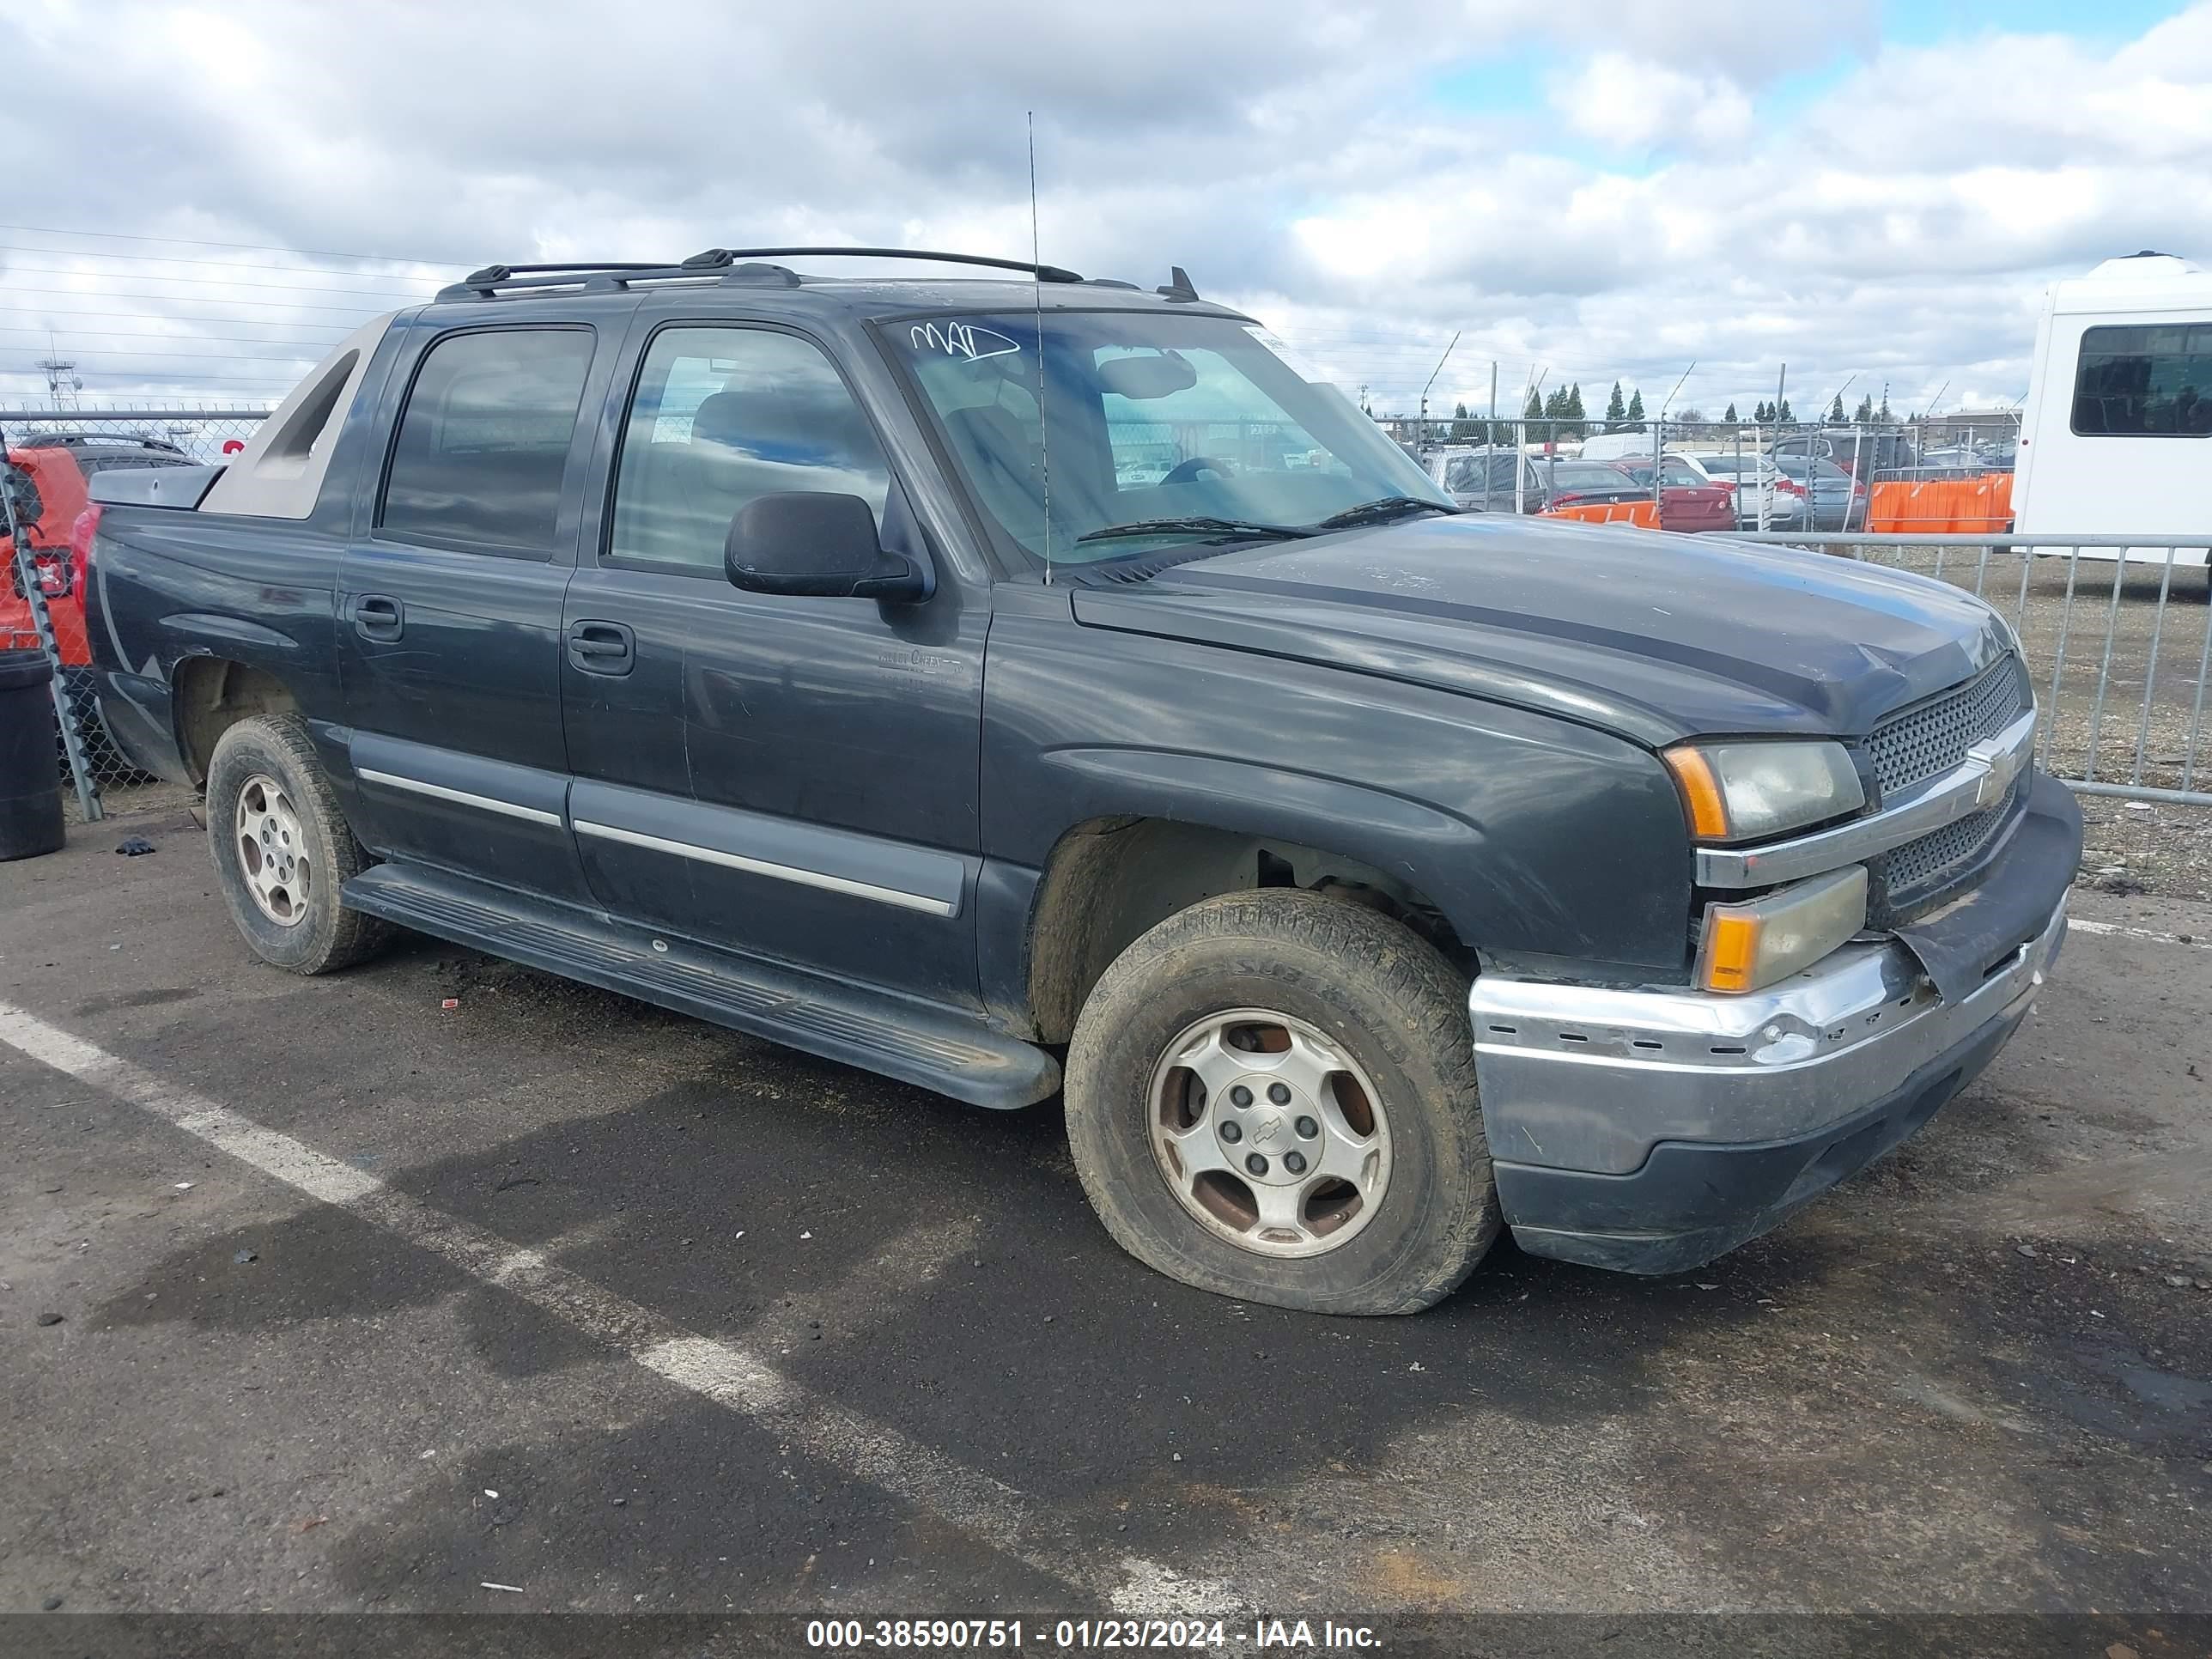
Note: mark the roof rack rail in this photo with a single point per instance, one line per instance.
(715, 258)
(741, 265)
(485, 284)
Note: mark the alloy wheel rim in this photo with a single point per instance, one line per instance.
(1268, 1133)
(272, 851)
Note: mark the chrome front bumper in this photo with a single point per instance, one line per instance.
(1591, 1079)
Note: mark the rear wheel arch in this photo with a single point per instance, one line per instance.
(209, 695)
(1109, 880)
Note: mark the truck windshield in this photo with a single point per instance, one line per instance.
(1160, 430)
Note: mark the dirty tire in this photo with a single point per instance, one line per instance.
(330, 936)
(1395, 1005)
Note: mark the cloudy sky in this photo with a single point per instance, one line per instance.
(198, 201)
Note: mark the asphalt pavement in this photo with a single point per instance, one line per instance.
(323, 1296)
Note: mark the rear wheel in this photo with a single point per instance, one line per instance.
(282, 849)
(1272, 1095)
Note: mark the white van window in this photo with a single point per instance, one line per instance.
(2144, 381)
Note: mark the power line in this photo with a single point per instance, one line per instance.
(242, 247)
(204, 281)
(188, 339)
(169, 316)
(218, 265)
(310, 351)
(124, 379)
(197, 299)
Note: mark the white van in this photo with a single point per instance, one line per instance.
(2118, 435)
(1620, 446)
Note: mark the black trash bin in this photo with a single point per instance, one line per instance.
(30, 785)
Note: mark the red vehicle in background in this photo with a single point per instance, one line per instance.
(45, 477)
(1689, 500)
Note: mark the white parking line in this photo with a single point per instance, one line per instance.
(726, 1373)
(2083, 924)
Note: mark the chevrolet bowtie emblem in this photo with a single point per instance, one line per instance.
(2003, 766)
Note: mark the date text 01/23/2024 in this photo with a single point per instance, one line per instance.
(1295, 1635)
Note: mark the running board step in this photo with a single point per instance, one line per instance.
(907, 1040)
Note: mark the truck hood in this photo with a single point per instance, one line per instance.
(1653, 636)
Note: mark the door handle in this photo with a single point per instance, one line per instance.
(377, 618)
(602, 647)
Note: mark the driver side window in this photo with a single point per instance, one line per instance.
(723, 415)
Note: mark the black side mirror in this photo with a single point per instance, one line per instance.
(807, 542)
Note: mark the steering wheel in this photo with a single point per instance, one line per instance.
(1188, 471)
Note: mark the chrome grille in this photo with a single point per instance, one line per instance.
(1929, 740)
(1923, 743)
(1924, 863)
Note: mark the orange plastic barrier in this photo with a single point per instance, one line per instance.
(1642, 514)
(1943, 506)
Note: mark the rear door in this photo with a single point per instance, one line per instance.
(450, 592)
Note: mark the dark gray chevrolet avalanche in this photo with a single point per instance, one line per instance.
(1035, 685)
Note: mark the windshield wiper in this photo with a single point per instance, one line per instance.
(1196, 526)
(1380, 511)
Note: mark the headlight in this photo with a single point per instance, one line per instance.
(1746, 946)
(1742, 791)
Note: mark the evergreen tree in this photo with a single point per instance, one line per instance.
(1635, 411)
(1616, 411)
(1782, 412)
(1532, 429)
(1836, 410)
(1464, 429)
(1863, 415)
(1573, 411)
(1883, 414)
(1730, 417)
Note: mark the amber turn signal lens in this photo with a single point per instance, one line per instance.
(1701, 792)
(1731, 952)
(1749, 947)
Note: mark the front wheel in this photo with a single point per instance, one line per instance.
(1272, 1095)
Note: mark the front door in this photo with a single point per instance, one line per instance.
(449, 610)
(831, 746)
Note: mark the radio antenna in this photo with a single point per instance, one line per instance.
(1044, 442)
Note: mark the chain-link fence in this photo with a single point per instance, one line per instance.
(51, 457)
(1950, 474)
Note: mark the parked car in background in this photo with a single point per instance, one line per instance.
(1620, 447)
(1689, 499)
(1587, 484)
(1839, 501)
(1949, 461)
(1862, 451)
(47, 477)
(1762, 492)
(1482, 480)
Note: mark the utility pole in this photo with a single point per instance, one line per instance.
(1781, 386)
(1492, 435)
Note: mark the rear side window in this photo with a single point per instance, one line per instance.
(484, 439)
(2153, 380)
